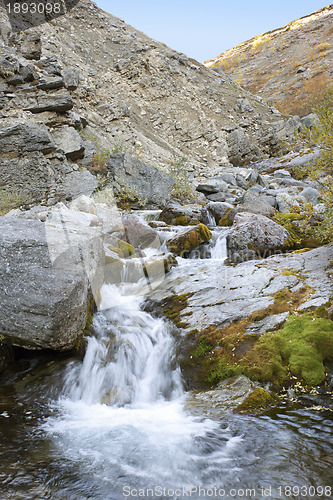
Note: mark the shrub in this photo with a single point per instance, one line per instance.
(178, 171)
(322, 168)
(8, 200)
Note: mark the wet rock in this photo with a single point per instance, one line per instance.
(223, 294)
(151, 187)
(255, 235)
(156, 268)
(6, 352)
(184, 242)
(273, 322)
(258, 400)
(219, 210)
(54, 269)
(139, 233)
(176, 214)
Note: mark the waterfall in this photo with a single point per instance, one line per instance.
(131, 358)
(219, 250)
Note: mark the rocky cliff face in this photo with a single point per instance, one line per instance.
(286, 64)
(87, 82)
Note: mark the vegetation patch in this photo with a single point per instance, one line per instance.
(177, 169)
(321, 169)
(297, 352)
(258, 400)
(173, 307)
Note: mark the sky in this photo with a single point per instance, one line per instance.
(203, 29)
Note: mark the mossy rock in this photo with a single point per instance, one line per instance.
(182, 220)
(117, 250)
(184, 242)
(258, 400)
(127, 249)
(159, 267)
(227, 219)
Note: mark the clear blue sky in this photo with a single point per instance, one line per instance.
(203, 29)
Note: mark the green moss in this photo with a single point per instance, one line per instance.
(173, 306)
(259, 399)
(289, 217)
(302, 346)
(127, 249)
(182, 220)
(226, 220)
(189, 240)
(204, 233)
(203, 347)
(223, 370)
(117, 251)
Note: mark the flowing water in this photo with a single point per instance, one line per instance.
(119, 424)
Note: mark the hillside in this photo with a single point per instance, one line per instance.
(287, 65)
(134, 94)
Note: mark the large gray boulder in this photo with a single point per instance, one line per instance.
(19, 138)
(257, 204)
(253, 236)
(151, 187)
(75, 184)
(45, 275)
(70, 141)
(220, 294)
(176, 214)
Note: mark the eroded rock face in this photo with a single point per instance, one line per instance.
(145, 183)
(45, 283)
(255, 235)
(220, 294)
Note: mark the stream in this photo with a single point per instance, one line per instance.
(120, 424)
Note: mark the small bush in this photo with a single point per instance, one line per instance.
(8, 200)
(177, 170)
(322, 168)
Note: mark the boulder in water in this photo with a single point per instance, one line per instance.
(178, 215)
(184, 242)
(45, 276)
(138, 233)
(253, 236)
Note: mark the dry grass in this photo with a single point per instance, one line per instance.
(301, 103)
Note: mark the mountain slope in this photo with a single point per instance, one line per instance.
(138, 94)
(285, 65)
